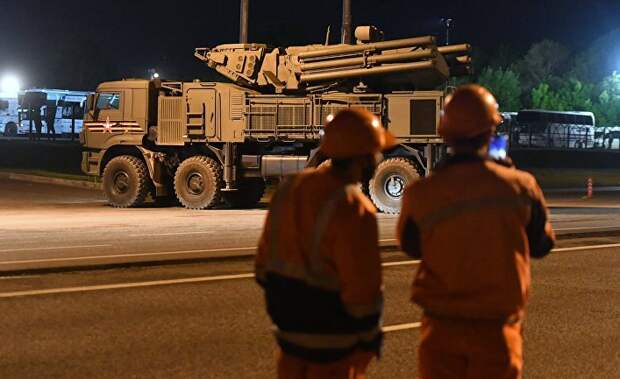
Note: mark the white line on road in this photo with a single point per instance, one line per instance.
(92, 257)
(134, 255)
(399, 327)
(103, 287)
(400, 263)
(587, 228)
(388, 240)
(153, 283)
(218, 278)
(84, 202)
(169, 234)
(52, 248)
(580, 248)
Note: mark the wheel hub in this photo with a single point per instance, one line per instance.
(195, 183)
(395, 186)
(121, 182)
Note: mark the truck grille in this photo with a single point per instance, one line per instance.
(290, 120)
(171, 130)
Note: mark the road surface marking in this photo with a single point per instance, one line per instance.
(170, 234)
(53, 291)
(591, 247)
(400, 263)
(206, 232)
(103, 287)
(587, 228)
(180, 252)
(217, 278)
(52, 248)
(82, 202)
(387, 240)
(100, 257)
(399, 327)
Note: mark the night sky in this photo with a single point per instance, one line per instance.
(75, 44)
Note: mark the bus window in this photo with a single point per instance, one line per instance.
(68, 110)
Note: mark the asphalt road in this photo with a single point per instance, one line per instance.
(207, 319)
(43, 226)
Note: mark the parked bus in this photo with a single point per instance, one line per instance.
(9, 109)
(18, 117)
(540, 128)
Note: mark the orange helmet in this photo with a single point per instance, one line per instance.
(469, 112)
(355, 132)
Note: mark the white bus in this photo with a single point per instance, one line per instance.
(541, 128)
(18, 117)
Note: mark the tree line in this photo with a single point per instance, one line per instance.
(550, 76)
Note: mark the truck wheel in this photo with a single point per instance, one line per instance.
(248, 194)
(126, 181)
(10, 129)
(198, 182)
(387, 186)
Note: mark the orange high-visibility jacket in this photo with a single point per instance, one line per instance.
(318, 261)
(475, 224)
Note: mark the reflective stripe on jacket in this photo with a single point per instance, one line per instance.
(474, 224)
(319, 264)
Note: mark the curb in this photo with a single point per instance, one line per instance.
(50, 180)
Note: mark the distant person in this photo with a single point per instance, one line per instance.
(50, 120)
(318, 258)
(38, 124)
(474, 223)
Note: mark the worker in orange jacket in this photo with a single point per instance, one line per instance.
(474, 223)
(318, 257)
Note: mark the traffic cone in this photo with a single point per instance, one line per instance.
(589, 188)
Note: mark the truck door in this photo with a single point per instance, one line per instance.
(201, 114)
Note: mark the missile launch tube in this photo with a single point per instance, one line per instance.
(371, 60)
(358, 72)
(453, 49)
(385, 45)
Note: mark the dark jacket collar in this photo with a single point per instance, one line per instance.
(452, 160)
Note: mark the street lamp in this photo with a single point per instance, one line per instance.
(9, 86)
(153, 74)
(447, 23)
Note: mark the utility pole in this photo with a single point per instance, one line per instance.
(243, 21)
(447, 23)
(346, 22)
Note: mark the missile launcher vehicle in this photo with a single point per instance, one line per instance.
(211, 142)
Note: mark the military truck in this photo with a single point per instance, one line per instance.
(208, 142)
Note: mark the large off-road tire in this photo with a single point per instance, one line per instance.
(391, 178)
(198, 182)
(126, 181)
(248, 194)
